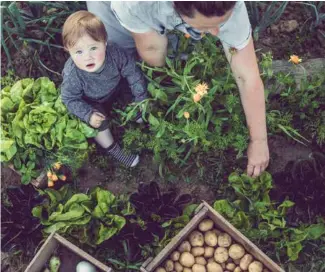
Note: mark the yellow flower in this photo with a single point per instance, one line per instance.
(201, 89)
(197, 97)
(186, 114)
(295, 59)
(187, 36)
(57, 166)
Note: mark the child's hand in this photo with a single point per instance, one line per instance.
(96, 119)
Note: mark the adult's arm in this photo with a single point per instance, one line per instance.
(245, 70)
(151, 47)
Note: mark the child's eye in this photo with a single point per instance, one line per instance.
(78, 52)
(93, 48)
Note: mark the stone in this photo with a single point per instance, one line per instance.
(289, 26)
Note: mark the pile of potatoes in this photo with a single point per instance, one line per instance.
(210, 250)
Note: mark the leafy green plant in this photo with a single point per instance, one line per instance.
(91, 219)
(35, 24)
(36, 128)
(19, 229)
(195, 106)
(317, 16)
(260, 219)
(263, 19)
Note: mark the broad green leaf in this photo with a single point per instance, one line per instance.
(8, 149)
(153, 121)
(224, 207)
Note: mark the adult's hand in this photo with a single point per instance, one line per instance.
(258, 157)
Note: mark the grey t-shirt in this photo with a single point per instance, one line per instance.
(160, 16)
(78, 84)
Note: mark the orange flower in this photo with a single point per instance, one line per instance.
(49, 174)
(54, 177)
(57, 166)
(295, 59)
(50, 183)
(197, 97)
(63, 177)
(187, 36)
(201, 89)
(232, 50)
(186, 114)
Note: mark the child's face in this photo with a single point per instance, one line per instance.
(88, 54)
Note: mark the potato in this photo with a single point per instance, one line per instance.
(186, 269)
(208, 252)
(237, 261)
(198, 268)
(224, 240)
(200, 260)
(210, 238)
(178, 267)
(237, 269)
(221, 255)
(231, 266)
(236, 251)
(184, 247)
(186, 259)
(211, 260)
(255, 267)
(216, 231)
(197, 251)
(169, 265)
(205, 225)
(245, 261)
(196, 239)
(160, 269)
(214, 267)
(175, 256)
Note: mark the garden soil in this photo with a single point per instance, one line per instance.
(277, 39)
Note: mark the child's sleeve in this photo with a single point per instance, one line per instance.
(133, 74)
(71, 95)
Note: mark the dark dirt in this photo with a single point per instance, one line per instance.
(292, 35)
(108, 174)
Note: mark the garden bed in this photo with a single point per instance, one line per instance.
(293, 102)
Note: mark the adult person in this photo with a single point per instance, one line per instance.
(142, 26)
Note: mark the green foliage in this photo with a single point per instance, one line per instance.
(36, 127)
(262, 20)
(91, 218)
(35, 24)
(215, 121)
(317, 16)
(260, 219)
(9, 79)
(299, 109)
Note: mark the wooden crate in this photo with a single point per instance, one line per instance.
(50, 245)
(202, 212)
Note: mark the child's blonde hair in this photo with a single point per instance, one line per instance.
(80, 23)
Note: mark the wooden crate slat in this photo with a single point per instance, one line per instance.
(43, 254)
(47, 249)
(241, 239)
(206, 211)
(175, 242)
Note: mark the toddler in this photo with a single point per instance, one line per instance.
(92, 74)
